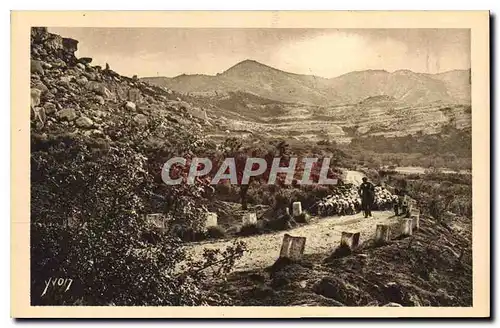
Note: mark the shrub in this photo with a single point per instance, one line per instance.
(439, 193)
(250, 229)
(216, 232)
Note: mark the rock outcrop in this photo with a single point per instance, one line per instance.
(258, 79)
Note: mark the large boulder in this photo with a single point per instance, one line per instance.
(39, 114)
(67, 114)
(82, 81)
(141, 119)
(53, 42)
(121, 92)
(65, 80)
(199, 113)
(40, 86)
(80, 66)
(99, 88)
(84, 122)
(35, 97)
(85, 60)
(58, 62)
(330, 288)
(363, 129)
(49, 108)
(90, 76)
(184, 106)
(70, 45)
(130, 106)
(100, 100)
(134, 95)
(179, 104)
(103, 91)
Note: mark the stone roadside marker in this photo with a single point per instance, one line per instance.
(406, 206)
(249, 218)
(406, 227)
(382, 234)
(211, 220)
(415, 217)
(157, 219)
(350, 239)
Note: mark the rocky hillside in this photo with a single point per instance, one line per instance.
(264, 81)
(254, 99)
(98, 144)
(251, 77)
(404, 85)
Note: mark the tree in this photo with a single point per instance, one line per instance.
(87, 225)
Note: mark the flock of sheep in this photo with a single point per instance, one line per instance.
(346, 201)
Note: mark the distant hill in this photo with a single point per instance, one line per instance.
(253, 77)
(458, 84)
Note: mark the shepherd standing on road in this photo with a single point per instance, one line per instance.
(367, 194)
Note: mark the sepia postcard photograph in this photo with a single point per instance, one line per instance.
(270, 164)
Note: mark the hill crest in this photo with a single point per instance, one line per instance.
(266, 81)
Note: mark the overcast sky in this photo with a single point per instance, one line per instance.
(321, 52)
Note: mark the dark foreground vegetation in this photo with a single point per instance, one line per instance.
(452, 148)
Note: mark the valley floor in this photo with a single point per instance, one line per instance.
(422, 170)
(431, 268)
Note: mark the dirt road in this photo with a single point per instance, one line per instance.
(323, 236)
